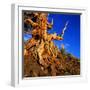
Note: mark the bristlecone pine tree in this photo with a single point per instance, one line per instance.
(41, 56)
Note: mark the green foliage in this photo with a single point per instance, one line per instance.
(69, 55)
(63, 51)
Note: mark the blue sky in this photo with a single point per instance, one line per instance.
(71, 39)
(72, 34)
